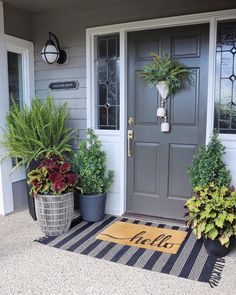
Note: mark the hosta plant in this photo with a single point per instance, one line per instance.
(166, 69)
(52, 176)
(212, 212)
(90, 164)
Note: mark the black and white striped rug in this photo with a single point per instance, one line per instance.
(191, 261)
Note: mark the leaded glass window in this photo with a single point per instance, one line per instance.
(225, 98)
(108, 82)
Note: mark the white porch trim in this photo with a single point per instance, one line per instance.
(16, 45)
(211, 18)
(6, 197)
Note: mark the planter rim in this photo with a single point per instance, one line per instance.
(54, 196)
(162, 82)
(93, 195)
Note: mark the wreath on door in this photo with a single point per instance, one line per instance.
(169, 76)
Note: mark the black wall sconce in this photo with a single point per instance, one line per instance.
(52, 52)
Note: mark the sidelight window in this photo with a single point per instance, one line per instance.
(15, 78)
(107, 95)
(225, 91)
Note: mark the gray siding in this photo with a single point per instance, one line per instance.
(17, 23)
(70, 25)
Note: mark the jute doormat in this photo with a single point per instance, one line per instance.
(190, 262)
(142, 236)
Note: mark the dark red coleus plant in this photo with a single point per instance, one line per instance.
(52, 176)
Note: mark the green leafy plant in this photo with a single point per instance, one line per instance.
(37, 132)
(90, 164)
(166, 69)
(212, 212)
(208, 165)
(52, 176)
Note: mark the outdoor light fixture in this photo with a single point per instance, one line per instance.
(52, 52)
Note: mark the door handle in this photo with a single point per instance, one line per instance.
(130, 138)
(130, 121)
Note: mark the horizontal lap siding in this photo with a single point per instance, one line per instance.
(69, 25)
(74, 69)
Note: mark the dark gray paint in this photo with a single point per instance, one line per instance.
(18, 23)
(19, 194)
(127, 8)
(158, 184)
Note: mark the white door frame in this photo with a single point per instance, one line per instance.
(16, 45)
(120, 135)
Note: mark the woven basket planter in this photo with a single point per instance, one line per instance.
(55, 213)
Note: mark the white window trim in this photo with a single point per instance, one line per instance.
(211, 17)
(26, 49)
(13, 44)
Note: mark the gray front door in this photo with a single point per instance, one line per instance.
(158, 184)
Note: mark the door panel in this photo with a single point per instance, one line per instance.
(186, 99)
(158, 184)
(180, 157)
(146, 163)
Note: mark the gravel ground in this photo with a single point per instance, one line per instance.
(30, 268)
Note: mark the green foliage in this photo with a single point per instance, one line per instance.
(37, 132)
(208, 165)
(212, 212)
(166, 69)
(52, 176)
(90, 164)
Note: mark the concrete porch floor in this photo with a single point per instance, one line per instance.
(30, 268)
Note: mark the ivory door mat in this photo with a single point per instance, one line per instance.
(143, 236)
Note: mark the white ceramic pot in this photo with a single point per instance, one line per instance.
(161, 112)
(163, 89)
(165, 127)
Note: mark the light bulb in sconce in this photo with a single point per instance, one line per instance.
(165, 127)
(161, 112)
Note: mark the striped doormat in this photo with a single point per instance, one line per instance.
(190, 262)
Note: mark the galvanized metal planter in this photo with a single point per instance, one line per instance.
(55, 213)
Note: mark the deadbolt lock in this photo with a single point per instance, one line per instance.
(130, 121)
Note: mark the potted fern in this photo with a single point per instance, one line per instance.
(212, 208)
(89, 163)
(167, 74)
(36, 132)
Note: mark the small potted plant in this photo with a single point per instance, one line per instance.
(213, 205)
(90, 164)
(212, 213)
(208, 166)
(166, 74)
(52, 184)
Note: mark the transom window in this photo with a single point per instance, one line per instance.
(108, 82)
(225, 94)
